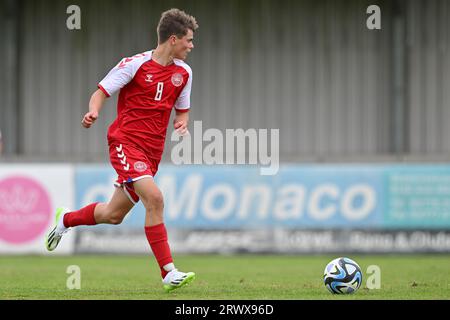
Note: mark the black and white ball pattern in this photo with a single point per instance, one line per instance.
(342, 276)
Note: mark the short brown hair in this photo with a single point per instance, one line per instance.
(175, 22)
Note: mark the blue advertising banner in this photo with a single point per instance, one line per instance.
(316, 196)
(417, 197)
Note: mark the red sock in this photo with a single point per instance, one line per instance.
(82, 217)
(157, 238)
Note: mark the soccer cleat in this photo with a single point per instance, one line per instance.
(176, 279)
(54, 237)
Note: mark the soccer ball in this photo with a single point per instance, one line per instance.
(342, 275)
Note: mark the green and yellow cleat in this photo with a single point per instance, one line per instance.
(54, 237)
(176, 279)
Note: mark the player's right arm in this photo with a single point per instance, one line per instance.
(95, 105)
(115, 80)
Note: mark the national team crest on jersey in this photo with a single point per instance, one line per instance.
(177, 79)
(140, 166)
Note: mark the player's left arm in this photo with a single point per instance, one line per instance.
(182, 107)
(181, 122)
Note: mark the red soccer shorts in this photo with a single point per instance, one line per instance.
(131, 164)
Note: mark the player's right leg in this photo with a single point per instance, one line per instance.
(112, 212)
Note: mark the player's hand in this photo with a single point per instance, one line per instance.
(89, 119)
(181, 128)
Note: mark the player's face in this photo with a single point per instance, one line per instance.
(184, 45)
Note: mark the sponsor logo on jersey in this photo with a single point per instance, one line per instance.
(149, 78)
(140, 166)
(177, 79)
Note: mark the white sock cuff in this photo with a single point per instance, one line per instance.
(169, 267)
(61, 226)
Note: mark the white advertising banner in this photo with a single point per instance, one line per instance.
(29, 196)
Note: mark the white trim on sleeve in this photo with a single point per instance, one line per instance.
(183, 102)
(123, 73)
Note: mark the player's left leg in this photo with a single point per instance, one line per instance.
(156, 233)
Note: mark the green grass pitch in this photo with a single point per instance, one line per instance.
(231, 277)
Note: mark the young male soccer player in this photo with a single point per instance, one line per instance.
(150, 84)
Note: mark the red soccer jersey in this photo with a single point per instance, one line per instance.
(148, 92)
